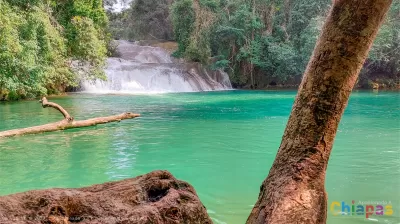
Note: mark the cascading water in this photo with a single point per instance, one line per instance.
(145, 69)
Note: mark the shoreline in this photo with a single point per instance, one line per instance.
(277, 89)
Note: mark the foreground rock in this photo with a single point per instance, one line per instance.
(156, 197)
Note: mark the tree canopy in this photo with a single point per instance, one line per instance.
(48, 45)
(258, 42)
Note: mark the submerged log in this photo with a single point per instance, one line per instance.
(67, 123)
(156, 198)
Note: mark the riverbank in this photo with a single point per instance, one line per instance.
(385, 85)
(268, 89)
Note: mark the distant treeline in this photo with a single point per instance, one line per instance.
(49, 45)
(258, 42)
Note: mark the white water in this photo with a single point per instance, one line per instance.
(144, 69)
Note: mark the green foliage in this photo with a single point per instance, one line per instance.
(33, 52)
(65, 10)
(144, 20)
(211, 4)
(119, 26)
(198, 49)
(194, 23)
(269, 40)
(183, 19)
(384, 57)
(256, 41)
(25, 3)
(220, 64)
(151, 20)
(279, 59)
(87, 47)
(36, 51)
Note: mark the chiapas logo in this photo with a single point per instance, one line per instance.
(362, 208)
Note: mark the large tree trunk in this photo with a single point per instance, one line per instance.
(67, 123)
(294, 191)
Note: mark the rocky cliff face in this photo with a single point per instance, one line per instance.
(153, 198)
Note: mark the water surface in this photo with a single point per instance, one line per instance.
(223, 143)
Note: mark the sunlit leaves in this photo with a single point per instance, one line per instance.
(36, 49)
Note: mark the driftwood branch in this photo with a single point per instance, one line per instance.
(46, 103)
(67, 123)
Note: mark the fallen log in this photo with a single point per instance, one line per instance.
(67, 123)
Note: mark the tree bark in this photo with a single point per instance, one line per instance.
(252, 39)
(286, 21)
(294, 191)
(287, 11)
(46, 103)
(67, 123)
(268, 18)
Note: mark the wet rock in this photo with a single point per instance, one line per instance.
(153, 198)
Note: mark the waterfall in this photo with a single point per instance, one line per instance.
(145, 69)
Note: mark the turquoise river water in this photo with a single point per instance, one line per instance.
(223, 143)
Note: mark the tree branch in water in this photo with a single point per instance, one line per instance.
(67, 123)
(46, 103)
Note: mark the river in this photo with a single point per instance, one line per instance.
(223, 143)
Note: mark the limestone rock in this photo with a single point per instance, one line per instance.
(153, 198)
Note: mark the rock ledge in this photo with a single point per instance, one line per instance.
(153, 198)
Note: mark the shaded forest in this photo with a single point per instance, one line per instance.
(260, 43)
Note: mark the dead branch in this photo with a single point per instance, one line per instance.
(67, 123)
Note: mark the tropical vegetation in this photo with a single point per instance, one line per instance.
(48, 45)
(258, 42)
